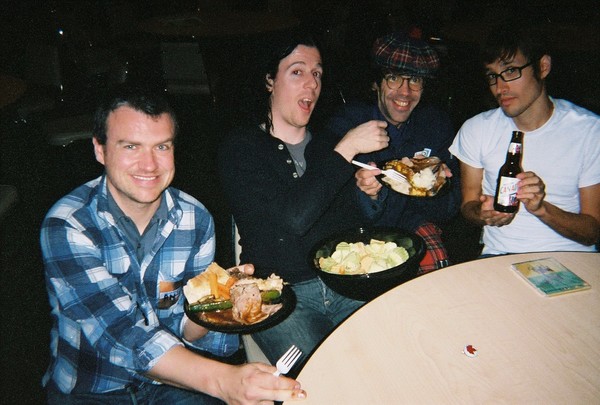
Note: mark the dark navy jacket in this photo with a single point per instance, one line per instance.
(428, 127)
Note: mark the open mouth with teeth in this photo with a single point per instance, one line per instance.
(305, 104)
(145, 178)
(146, 181)
(401, 104)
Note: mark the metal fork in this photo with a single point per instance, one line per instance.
(392, 174)
(285, 362)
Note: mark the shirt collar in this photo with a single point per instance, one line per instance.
(113, 208)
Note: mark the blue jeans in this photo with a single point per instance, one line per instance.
(147, 394)
(318, 311)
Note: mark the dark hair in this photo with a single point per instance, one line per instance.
(507, 39)
(277, 48)
(144, 99)
(376, 74)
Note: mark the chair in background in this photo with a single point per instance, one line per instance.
(66, 130)
(43, 73)
(67, 63)
(253, 352)
(8, 199)
(62, 107)
(184, 70)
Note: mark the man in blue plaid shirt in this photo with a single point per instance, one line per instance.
(117, 252)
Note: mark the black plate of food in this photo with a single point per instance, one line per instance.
(421, 182)
(222, 320)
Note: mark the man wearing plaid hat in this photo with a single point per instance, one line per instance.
(401, 65)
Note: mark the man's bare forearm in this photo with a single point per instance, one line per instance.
(581, 228)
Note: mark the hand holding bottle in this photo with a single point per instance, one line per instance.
(490, 216)
(531, 192)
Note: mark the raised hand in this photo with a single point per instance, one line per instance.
(365, 138)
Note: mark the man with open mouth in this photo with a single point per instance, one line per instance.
(290, 186)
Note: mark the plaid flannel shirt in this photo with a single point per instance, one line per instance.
(112, 317)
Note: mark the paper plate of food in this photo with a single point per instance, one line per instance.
(233, 302)
(423, 177)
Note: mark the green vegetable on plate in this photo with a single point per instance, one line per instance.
(209, 304)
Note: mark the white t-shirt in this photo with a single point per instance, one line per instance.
(564, 153)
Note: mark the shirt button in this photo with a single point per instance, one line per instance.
(289, 161)
(280, 147)
(295, 175)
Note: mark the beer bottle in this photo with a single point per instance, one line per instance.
(506, 187)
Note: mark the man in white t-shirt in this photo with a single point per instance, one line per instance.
(559, 190)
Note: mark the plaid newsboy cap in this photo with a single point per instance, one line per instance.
(406, 55)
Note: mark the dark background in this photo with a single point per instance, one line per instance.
(101, 36)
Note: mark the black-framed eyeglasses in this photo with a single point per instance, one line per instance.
(508, 75)
(394, 82)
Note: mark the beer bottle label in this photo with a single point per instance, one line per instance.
(515, 148)
(507, 193)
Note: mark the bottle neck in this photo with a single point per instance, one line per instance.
(514, 158)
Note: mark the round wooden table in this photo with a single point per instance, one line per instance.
(407, 346)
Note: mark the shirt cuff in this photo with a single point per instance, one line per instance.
(372, 206)
(217, 343)
(153, 350)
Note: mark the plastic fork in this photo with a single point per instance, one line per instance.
(392, 174)
(286, 362)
